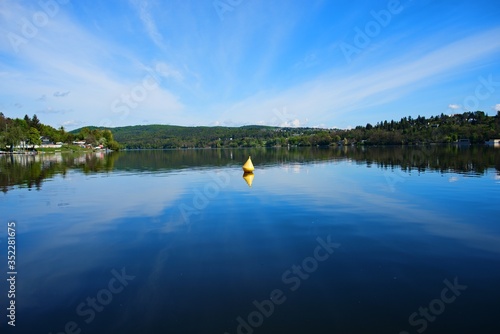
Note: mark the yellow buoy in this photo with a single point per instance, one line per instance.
(248, 166)
(248, 177)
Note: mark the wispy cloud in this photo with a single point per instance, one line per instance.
(167, 71)
(71, 123)
(143, 8)
(61, 94)
(50, 110)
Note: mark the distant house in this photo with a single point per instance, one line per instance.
(47, 143)
(493, 142)
(80, 143)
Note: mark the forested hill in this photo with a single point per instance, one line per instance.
(475, 126)
(172, 136)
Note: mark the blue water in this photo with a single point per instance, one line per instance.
(327, 245)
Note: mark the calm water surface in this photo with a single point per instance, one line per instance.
(379, 240)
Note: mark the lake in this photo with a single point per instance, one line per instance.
(335, 240)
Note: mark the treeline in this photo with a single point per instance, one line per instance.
(29, 132)
(475, 126)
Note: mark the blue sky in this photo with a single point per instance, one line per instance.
(236, 62)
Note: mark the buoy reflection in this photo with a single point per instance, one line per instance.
(248, 177)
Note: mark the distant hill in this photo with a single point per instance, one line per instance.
(475, 126)
(173, 136)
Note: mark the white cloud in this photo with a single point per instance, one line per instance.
(497, 107)
(61, 94)
(291, 124)
(144, 14)
(50, 110)
(454, 106)
(310, 60)
(167, 71)
(71, 123)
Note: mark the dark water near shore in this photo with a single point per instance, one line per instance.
(349, 240)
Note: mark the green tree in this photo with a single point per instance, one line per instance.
(35, 122)
(108, 135)
(27, 119)
(33, 137)
(13, 136)
(113, 145)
